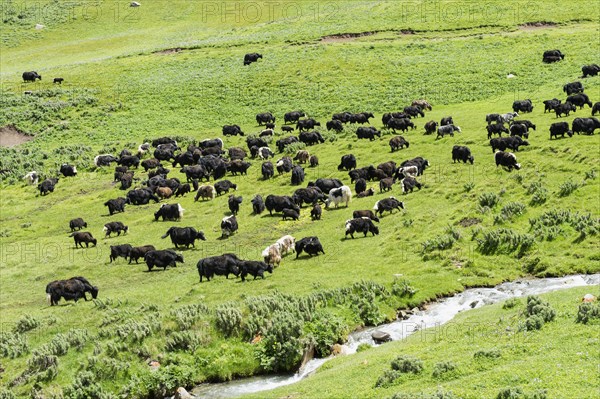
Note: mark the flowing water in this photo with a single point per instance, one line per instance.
(436, 314)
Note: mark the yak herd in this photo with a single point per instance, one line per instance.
(207, 159)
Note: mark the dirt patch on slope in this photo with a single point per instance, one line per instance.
(10, 136)
(169, 51)
(466, 222)
(537, 25)
(347, 37)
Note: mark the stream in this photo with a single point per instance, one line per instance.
(436, 314)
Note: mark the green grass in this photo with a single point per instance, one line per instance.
(118, 93)
(489, 350)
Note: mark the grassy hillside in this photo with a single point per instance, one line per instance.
(478, 355)
(119, 92)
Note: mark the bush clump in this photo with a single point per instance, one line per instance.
(13, 344)
(407, 364)
(444, 370)
(567, 188)
(538, 312)
(504, 241)
(186, 316)
(182, 340)
(511, 303)
(228, 319)
(588, 312)
(26, 323)
(487, 354)
(488, 200)
(509, 212)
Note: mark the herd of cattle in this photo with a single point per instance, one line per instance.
(209, 159)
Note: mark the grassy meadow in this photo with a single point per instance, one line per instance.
(175, 69)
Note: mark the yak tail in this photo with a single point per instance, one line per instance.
(167, 233)
(72, 234)
(49, 298)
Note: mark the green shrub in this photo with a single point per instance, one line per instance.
(77, 338)
(538, 312)
(281, 347)
(368, 310)
(228, 319)
(489, 200)
(326, 329)
(6, 393)
(504, 241)
(539, 194)
(363, 347)
(85, 386)
(13, 344)
(26, 323)
(510, 393)
(511, 303)
(184, 340)
(388, 378)
(487, 354)
(407, 364)
(186, 316)
(438, 395)
(468, 186)
(105, 367)
(591, 174)
(566, 188)
(588, 312)
(42, 365)
(509, 212)
(446, 369)
(160, 383)
(402, 288)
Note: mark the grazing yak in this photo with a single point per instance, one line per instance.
(522, 106)
(293, 116)
(408, 184)
(232, 130)
(360, 185)
(447, 129)
(222, 265)
(171, 212)
(297, 175)
(419, 162)
(325, 184)
(267, 170)
(549, 105)
(360, 225)
(234, 203)
(310, 245)
(423, 104)
(302, 156)
(58, 80)
(162, 258)
(313, 161)
(387, 204)
(116, 205)
(447, 120)
(560, 129)
(338, 196)
(115, 227)
(507, 160)
(335, 125)
(258, 205)
(140, 196)
(272, 255)
(386, 184)
(206, 192)
(585, 125)
(512, 142)
(596, 108)
(253, 268)
(290, 214)
(430, 127)
(367, 133)
(399, 124)
(519, 129)
(68, 170)
(251, 57)
(164, 192)
(182, 190)
(551, 56)
(70, 290)
(366, 213)
(150, 163)
(564, 108)
(496, 128)
(573, 88)
(414, 111)
(462, 153)
(343, 117)
(397, 143)
(223, 186)
(47, 186)
(284, 142)
(104, 160)
(81, 237)
(284, 165)
(139, 252)
(347, 162)
(316, 211)
(31, 178)
(121, 251)
(311, 138)
(579, 100)
(31, 76)
(307, 124)
(184, 236)
(265, 117)
(278, 203)
(229, 225)
(77, 224)
(308, 195)
(590, 70)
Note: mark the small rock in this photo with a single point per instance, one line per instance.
(381, 337)
(473, 304)
(181, 393)
(154, 365)
(336, 349)
(510, 76)
(403, 314)
(134, 4)
(414, 310)
(588, 298)
(39, 26)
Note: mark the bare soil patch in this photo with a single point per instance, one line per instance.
(345, 37)
(10, 136)
(537, 25)
(466, 222)
(169, 51)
